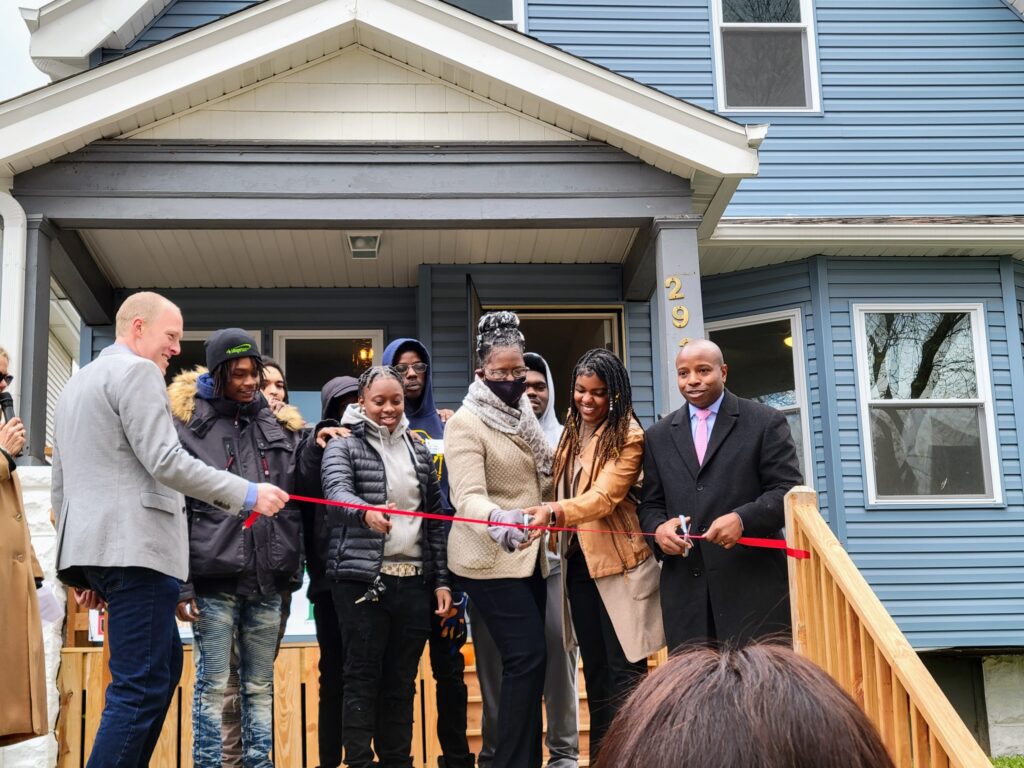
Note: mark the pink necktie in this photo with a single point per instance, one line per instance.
(700, 441)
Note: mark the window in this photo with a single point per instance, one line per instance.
(312, 358)
(507, 12)
(926, 404)
(766, 55)
(765, 357)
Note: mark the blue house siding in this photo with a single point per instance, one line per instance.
(180, 16)
(640, 352)
(772, 289)
(943, 590)
(662, 43)
(922, 100)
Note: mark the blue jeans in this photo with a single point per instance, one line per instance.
(257, 620)
(145, 662)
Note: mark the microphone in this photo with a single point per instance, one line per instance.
(7, 404)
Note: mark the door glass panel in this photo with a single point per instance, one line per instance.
(312, 362)
(563, 340)
(760, 359)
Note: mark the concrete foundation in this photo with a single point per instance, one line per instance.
(1004, 699)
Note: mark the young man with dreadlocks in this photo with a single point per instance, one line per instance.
(236, 574)
(610, 575)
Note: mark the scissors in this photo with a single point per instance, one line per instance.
(685, 527)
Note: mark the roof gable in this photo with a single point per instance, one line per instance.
(479, 56)
(354, 95)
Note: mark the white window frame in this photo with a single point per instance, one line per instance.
(281, 337)
(795, 317)
(985, 399)
(812, 69)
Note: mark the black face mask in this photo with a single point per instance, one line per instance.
(509, 392)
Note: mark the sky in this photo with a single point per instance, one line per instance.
(17, 72)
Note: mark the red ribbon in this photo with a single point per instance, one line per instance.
(748, 541)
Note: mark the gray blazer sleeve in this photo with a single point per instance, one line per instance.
(146, 420)
(57, 483)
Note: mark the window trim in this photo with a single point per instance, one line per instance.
(282, 336)
(796, 327)
(985, 399)
(812, 65)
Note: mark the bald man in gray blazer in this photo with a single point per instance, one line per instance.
(119, 475)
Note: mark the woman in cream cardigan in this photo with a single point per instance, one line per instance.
(499, 463)
(611, 579)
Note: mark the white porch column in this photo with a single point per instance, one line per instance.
(678, 310)
(12, 282)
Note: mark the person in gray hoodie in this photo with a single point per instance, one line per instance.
(382, 567)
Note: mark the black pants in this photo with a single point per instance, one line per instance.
(609, 675)
(448, 667)
(383, 643)
(332, 679)
(513, 610)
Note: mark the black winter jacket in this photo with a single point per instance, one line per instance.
(250, 440)
(316, 535)
(353, 471)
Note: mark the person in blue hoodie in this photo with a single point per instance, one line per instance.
(412, 361)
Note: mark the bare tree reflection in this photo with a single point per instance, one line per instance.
(923, 356)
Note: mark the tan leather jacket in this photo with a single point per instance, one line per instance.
(604, 502)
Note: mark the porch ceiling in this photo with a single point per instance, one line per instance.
(316, 258)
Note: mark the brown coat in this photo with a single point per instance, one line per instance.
(23, 694)
(604, 503)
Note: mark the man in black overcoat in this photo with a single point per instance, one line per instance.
(719, 592)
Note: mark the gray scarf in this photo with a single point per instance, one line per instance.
(512, 421)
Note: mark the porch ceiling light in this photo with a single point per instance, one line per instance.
(364, 245)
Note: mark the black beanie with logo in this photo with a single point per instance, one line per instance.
(227, 344)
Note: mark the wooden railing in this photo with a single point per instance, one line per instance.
(84, 674)
(840, 624)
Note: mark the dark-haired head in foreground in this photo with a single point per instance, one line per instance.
(762, 706)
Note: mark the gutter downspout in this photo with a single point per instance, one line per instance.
(12, 279)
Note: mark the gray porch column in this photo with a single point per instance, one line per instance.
(678, 310)
(34, 367)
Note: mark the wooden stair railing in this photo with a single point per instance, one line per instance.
(841, 625)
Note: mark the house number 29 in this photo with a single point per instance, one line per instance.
(679, 313)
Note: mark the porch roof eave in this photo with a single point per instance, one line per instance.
(675, 136)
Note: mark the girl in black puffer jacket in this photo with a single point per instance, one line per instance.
(382, 567)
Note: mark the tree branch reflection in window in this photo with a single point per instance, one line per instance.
(922, 446)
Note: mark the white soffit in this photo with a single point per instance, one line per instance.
(483, 57)
(737, 245)
(313, 258)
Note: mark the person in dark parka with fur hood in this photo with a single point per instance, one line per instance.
(237, 574)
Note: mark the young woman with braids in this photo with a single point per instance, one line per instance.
(611, 578)
(382, 567)
(499, 462)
